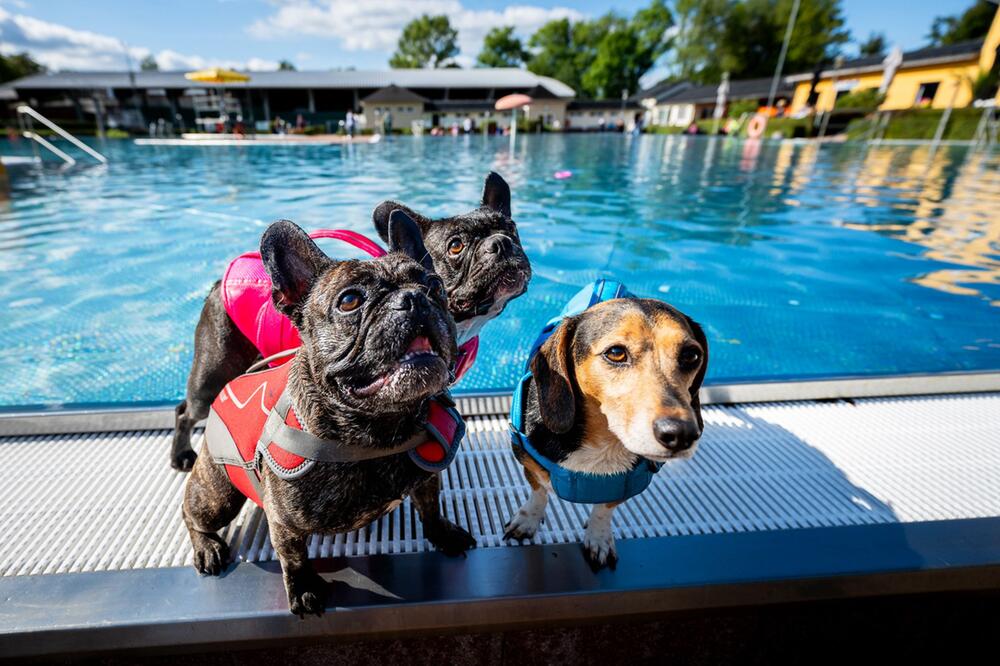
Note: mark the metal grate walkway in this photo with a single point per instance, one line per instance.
(108, 501)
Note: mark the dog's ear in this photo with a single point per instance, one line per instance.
(380, 217)
(699, 335)
(293, 262)
(552, 369)
(404, 236)
(496, 194)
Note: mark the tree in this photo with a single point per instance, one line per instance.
(148, 64)
(744, 38)
(875, 45)
(428, 41)
(285, 66)
(18, 65)
(974, 23)
(502, 48)
(554, 53)
(602, 57)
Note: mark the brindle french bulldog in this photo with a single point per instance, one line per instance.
(478, 255)
(356, 379)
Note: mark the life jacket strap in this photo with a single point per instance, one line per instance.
(311, 447)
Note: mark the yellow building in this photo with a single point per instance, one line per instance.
(936, 77)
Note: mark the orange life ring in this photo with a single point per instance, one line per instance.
(756, 126)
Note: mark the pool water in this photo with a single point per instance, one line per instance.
(800, 260)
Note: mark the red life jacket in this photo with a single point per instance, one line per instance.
(252, 423)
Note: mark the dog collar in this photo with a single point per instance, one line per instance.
(252, 423)
(571, 485)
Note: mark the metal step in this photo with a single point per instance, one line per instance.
(109, 502)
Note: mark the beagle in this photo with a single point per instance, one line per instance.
(612, 393)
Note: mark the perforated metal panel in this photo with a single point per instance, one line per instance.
(109, 501)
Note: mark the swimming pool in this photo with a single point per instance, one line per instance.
(800, 260)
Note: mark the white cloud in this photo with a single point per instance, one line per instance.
(375, 25)
(60, 47)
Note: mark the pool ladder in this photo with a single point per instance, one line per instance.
(27, 130)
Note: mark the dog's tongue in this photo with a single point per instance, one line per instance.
(419, 344)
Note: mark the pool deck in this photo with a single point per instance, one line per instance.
(838, 497)
(260, 140)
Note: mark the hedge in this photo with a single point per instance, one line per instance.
(920, 124)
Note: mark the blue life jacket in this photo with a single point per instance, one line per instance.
(572, 486)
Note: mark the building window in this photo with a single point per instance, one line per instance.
(926, 93)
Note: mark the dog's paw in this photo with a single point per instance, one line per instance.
(307, 593)
(183, 461)
(211, 553)
(523, 525)
(599, 548)
(448, 537)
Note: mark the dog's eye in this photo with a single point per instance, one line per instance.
(455, 246)
(349, 301)
(690, 356)
(616, 354)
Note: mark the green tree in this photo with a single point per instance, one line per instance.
(554, 52)
(744, 38)
(148, 64)
(973, 23)
(18, 65)
(428, 41)
(875, 45)
(286, 66)
(502, 48)
(602, 57)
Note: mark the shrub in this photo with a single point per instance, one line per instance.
(115, 133)
(868, 99)
(740, 106)
(985, 85)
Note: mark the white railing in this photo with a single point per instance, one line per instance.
(28, 134)
(24, 109)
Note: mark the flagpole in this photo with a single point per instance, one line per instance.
(781, 56)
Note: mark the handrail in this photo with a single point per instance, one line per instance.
(25, 109)
(28, 134)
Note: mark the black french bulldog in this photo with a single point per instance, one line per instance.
(478, 255)
(356, 380)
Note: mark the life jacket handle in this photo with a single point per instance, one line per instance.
(351, 238)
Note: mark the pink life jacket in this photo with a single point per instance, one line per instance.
(252, 423)
(246, 295)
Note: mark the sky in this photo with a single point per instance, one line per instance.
(326, 34)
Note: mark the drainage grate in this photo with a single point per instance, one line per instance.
(108, 501)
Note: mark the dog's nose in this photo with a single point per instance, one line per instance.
(498, 244)
(674, 434)
(408, 299)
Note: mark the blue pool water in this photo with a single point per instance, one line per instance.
(800, 260)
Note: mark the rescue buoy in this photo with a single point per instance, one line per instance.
(756, 126)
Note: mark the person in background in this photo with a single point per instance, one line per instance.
(349, 123)
(467, 125)
(387, 123)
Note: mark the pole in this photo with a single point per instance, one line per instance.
(939, 132)
(135, 90)
(99, 116)
(513, 128)
(784, 52)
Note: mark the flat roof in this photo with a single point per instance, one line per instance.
(405, 78)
